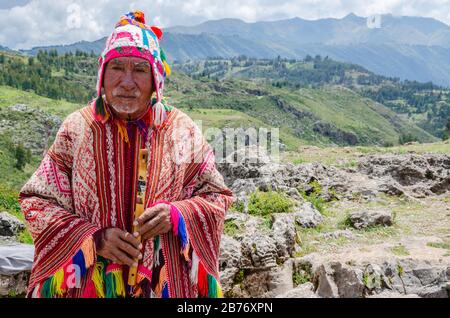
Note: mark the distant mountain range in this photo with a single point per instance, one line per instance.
(414, 48)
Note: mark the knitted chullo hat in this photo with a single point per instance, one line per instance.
(132, 37)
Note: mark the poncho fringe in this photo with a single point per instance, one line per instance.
(107, 280)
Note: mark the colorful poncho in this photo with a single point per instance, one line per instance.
(79, 188)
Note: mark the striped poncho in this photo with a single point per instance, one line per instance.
(86, 182)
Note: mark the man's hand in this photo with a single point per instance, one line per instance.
(120, 247)
(154, 221)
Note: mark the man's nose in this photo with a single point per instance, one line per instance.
(128, 81)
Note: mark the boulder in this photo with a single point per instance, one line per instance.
(307, 216)
(337, 234)
(14, 285)
(284, 234)
(392, 294)
(362, 219)
(301, 291)
(229, 261)
(10, 225)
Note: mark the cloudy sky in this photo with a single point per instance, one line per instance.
(28, 23)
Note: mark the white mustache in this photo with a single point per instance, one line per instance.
(117, 92)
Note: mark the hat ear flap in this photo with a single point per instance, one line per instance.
(158, 32)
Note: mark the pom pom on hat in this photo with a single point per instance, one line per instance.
(136, 15)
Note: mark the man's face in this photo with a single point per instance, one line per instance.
(128, 86)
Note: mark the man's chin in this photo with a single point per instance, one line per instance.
(124, 111)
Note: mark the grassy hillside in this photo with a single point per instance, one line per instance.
(425, 104)
(277, 92)
(32, 126)
(328, 115)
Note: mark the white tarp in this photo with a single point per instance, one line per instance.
(16, 258)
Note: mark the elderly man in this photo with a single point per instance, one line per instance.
(80, 203)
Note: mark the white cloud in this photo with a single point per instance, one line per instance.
(44, 22)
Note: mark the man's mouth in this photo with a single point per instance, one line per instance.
(126, 96)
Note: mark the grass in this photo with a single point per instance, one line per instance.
(314, 196)
(348, 157)
(300, 278)
(237, 206)
(399, 250)
(11, 96)
(313, 240)
(443, 245)
(209, 120)
(351, 113)
(239, 277)
(232, 227)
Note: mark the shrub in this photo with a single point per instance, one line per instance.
(266, 203)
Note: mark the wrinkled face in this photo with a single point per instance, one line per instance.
(128, 86)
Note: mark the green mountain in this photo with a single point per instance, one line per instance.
(425, 104)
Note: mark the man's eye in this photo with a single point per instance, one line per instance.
(141, 70)
(117, 68)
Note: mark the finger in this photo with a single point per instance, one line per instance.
(129, 249)
(159, 229)
(150, 225)
(150, 213)
(124, 258)
(111, 257)
(129, 238)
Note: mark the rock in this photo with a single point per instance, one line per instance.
(280, 280)
(307, 216)
(425, 173)
(14, 285)
(337, 234)
(362, 219)
(243, 187)
(333, 280)
(40, 126)
(229, 261)
(284, 234)
(259, 251)
(391, 187)
(255, 262)
(335, 134)
(392, 294)
(8, 240)
(324, 284)
(263, 283)
(294, 194)
(441, 186)
(301, 291)
(348, 281)
(10, 225)
(16, 261)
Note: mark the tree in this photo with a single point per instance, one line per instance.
(2, 58)
(446, 134)
(22, 156)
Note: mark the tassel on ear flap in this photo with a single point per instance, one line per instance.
(159, 114)
(99, 107)
(100, 112)
(164, 60)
